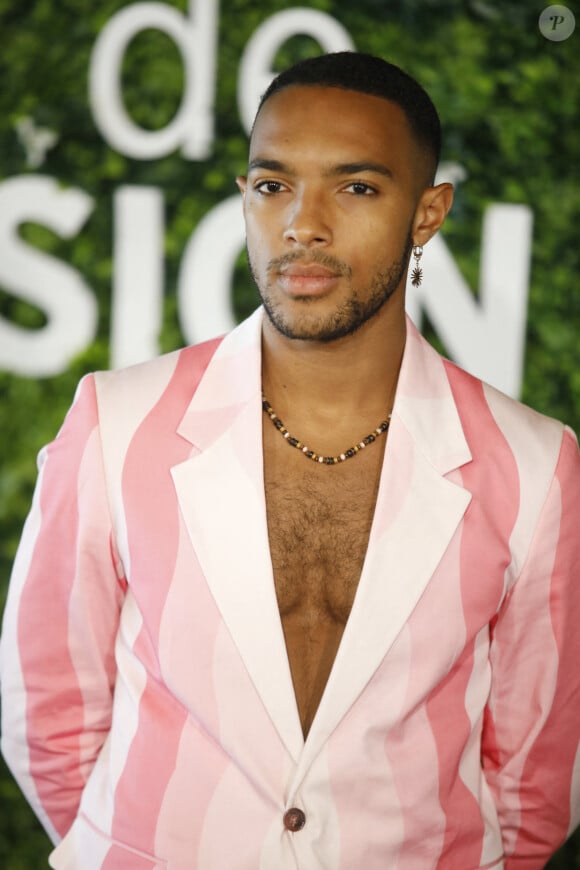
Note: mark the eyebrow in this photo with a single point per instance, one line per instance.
(340, 169)
(355, 168)
(273, 165)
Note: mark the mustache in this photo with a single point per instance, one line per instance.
(313, 256)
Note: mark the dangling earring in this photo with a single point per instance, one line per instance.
(417, 273)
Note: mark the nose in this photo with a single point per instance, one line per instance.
(307, 221)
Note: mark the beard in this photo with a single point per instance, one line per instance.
(350, 315)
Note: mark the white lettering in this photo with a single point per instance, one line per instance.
(204, 285)
(54, 287)
(486, 336)
(256, 73)
(137, 306)
(195, 37)
(484, 333)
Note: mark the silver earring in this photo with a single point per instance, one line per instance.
(417, 273)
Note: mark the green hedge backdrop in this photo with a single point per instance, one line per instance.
(509, 101)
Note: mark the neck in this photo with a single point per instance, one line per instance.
(347, 378)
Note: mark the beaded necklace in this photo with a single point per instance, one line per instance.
(310, 454)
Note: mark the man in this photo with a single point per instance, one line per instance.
(345, 640)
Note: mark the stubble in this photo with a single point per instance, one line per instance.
(349, 316)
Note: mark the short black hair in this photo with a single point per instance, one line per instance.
(368, 74)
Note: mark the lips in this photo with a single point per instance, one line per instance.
(307, 270)
(306, 280)
(302, 279)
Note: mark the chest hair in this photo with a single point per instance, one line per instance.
(319, 521)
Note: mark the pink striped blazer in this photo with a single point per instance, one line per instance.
(148, 708)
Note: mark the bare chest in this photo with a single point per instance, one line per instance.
(319, 521)
(318, 531)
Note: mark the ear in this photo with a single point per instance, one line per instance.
(242, 183)
(431, 211)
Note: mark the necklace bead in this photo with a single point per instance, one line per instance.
(311, 454)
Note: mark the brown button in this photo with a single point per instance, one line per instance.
(294, 819)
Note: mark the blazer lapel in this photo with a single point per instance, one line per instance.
(221, 494)
(418, 510)
(221, 487)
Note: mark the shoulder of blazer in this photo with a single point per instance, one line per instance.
(525, 429)
(510, 442)
(132, 392)
(138, 405)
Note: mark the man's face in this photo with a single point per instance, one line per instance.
(333, 182)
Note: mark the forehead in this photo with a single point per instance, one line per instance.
(323, 120)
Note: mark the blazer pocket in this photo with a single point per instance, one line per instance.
(85, 847)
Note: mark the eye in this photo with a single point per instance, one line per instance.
(360, 188)
(268, 187)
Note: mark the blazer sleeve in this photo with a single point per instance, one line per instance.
(532, 725)
(57, 666)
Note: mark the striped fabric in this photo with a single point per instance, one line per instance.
(147, 702)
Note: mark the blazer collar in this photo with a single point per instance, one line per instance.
(425, 405)
(220, 489)
(418, 510)
(221, 494)
(232, 379)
